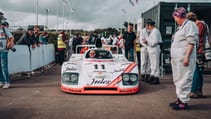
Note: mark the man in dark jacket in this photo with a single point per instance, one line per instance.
(129, 43)
(77, 41)
(28, 38)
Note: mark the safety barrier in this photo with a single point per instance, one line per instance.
(27, 60)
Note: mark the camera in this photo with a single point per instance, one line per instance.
(13, 49)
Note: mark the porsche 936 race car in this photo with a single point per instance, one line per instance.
(106, 73)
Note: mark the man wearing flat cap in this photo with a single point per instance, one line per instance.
(153, 47)
(150, 22)
(6, 42)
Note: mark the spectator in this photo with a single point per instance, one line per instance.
(110, 40)
(196, 90)
(43, 38)
(116, 43)
(138, 53)
(37, 35)
(129, 43)
(145, 62)
(85, 40)
(77, 41)
(27, 38)
(92, 39)
(153, 46)
(103, 40)
(183, 57)
(70, 42)
(6, 42)
(115, 40)
(121, 44)
(61, 46)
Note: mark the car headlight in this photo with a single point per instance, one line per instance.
(66, 77)
(133, 77)
(129, 79)
(125, 77)
(70, 78)
(74, 77)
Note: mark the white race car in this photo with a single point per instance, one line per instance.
(106, 73)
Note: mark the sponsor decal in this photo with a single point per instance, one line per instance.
(69, 63)
(71, 68)
(126, 63)
(98, 81)
(119, 70)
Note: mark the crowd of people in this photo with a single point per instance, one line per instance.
(33, 37)
(187, 51)
(77, 39)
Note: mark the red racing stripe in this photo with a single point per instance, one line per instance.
(118, 79)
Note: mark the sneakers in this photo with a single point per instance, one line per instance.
(155, 81)
(6, 85)
(178, 105)
(1, 84)
(150, 79)
(174, 103)
(194, 95)
(197, 94)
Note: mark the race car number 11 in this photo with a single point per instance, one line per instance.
(102, 66)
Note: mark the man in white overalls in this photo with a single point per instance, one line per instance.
(153, 47)
(183, 57)
(145, 63)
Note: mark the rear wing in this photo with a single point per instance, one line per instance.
(80, 49)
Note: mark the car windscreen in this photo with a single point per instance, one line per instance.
(101, 54)
(104, 54)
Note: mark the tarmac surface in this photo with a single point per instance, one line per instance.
(40, 97)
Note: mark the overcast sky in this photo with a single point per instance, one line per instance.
(86, 14)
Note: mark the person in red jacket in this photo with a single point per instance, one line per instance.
(196, 90)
